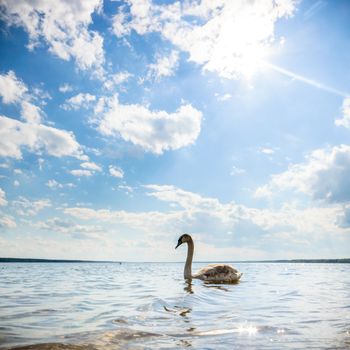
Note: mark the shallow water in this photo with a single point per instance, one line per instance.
(83, 306)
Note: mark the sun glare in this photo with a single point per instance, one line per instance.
(247, 329)
(253, 60)
(241, 44)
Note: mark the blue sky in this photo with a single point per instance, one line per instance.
(126, 124)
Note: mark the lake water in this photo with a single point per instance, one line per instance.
(88, 306)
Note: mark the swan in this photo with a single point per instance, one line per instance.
(214, 273)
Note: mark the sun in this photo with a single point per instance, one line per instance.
(253, 60)
(238, 44)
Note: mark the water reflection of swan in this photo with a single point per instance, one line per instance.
(214, 273)
(216, 287)
(188, 287)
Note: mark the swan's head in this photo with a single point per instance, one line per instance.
(183, 239)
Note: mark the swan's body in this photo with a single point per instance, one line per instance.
(214, 273)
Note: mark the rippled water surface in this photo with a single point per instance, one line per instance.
(149, 306)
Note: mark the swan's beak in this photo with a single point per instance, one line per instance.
(178, 244)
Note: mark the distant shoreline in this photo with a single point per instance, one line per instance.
(304, 261)
(29, 260)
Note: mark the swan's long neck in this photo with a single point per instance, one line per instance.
(188, 265)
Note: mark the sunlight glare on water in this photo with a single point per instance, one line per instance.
(95, 306)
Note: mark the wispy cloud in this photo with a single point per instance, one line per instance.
(65, 88)
(116, 171)
(81, 100)
(165, 66)
(81, 172)
(53, 184)
(3, 200)
(30, 207)
(305, 80)
(345, 121)
(91, 166)
(7, 221)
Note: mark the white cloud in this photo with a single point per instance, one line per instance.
(31, 113)
(58, 247)
(91, 166)
(78, 101)
(224, 36)
(345, 121)
(210, 220)
(70, 228)
(65, 88)
(116, 79)
(63, 26)
(12, 89)
(16, 183)
(154, 131)
(224, 97)
(144, 221)
(81, 172)
(41, 95)
(38, 138)
(121, 77)
(89, 169)
(187, 200)
(227, 229)
(164, 66)
(3, 200)
(7, 221)
(31, 207)
(324, 176)
(237, 171)
(118, 25)
(264, 191)
(55, 185)
(343, 219)
(204, 214)
(41, 162)
(266, 150)
(126, 189)
(116, 171)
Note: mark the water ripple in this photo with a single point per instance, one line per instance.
(149, 306)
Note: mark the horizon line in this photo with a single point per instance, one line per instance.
(297, 260)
